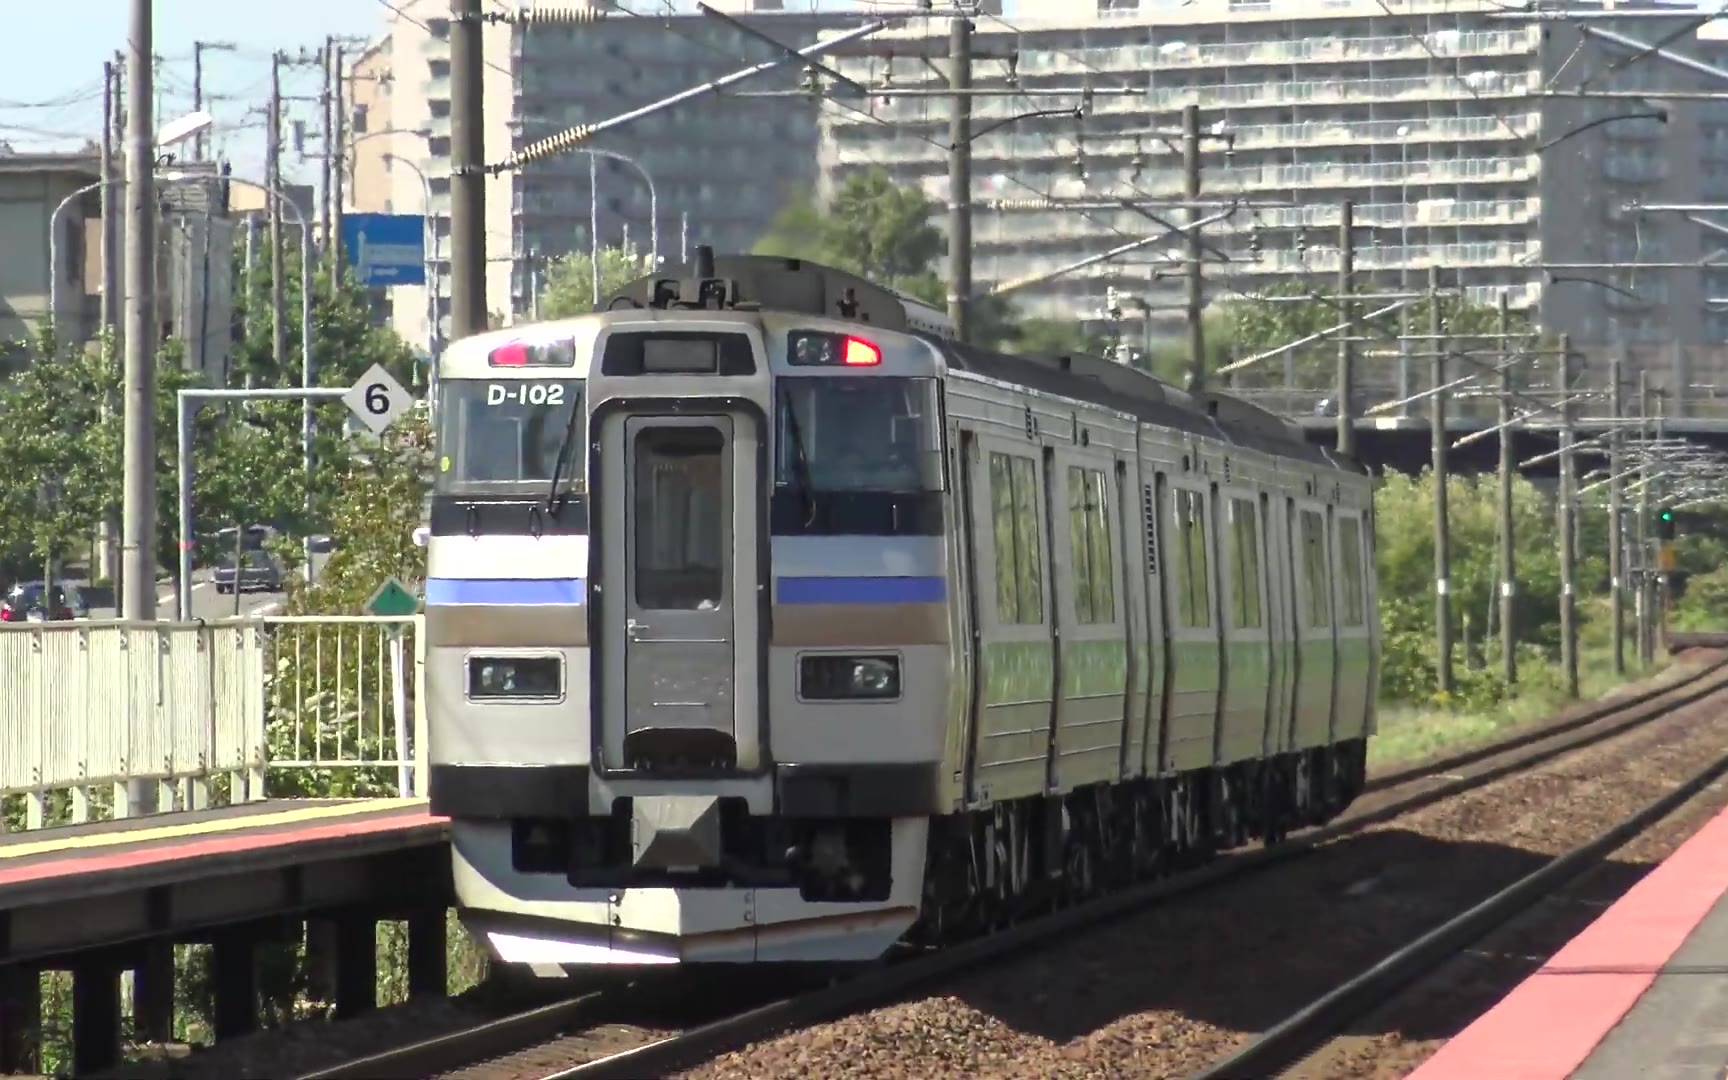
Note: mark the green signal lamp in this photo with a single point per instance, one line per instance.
(1666, 529)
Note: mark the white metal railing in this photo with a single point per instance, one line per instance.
(114, 719)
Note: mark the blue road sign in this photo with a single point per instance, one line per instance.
(386, 249)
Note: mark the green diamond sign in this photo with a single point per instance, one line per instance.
(393, 600)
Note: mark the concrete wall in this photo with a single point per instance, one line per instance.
(31, 187)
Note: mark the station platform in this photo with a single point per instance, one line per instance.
(69, 889)
(1642, 992)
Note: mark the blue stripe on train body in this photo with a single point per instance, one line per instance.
(507, 592)
(861, 590)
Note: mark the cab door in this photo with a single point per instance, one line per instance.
(679, 570)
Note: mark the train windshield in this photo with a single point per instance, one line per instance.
(504, 436)
(875, 433)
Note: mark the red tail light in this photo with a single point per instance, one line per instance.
(8, 615)
(860, 353)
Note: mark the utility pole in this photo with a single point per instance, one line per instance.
(1646, 646)
(200, 150)
(138, 506)
(1196, 283)
(959, 173)
(1508, 552)
(1616, 511)
(198, 104)
(1346, 347)
(1568, 546)
(467, 176)
(278, 264)
(338, 156)
(111, 301)
(110, 200)
(327, 104)
(1662, 603)
(1442, 537)
(251, 273)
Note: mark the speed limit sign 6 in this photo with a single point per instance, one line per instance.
(378, 400)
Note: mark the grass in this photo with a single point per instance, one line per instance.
(1411, 733)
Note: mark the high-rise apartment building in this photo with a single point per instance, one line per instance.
(721, 165)
(1447, 123)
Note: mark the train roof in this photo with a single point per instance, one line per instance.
(1149, 399)
(769, 282)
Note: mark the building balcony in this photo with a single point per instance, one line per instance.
(1392, 257)
(1320, 50)
(1332, 91)
(1345, 133)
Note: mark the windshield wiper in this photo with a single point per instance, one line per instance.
(553, 503)
(800, 464)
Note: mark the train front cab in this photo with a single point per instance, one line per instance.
(732, 811)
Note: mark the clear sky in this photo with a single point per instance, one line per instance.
(51, 66)
(51, 71)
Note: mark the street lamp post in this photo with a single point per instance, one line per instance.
(306, 362)
(54, 250)
(431, 229)
(1404, 264)
(653, 197)
(594, 211)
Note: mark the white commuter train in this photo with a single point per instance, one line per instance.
(767, 624)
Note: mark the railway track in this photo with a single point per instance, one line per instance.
(664, 1021)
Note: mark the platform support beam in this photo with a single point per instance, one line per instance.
(20, 1020)
(153, 993)
(235, 975)
(356, 964)
(95, 1016)
(428, 956)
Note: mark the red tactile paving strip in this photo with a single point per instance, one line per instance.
(1547, 1027)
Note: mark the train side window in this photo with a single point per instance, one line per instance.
(1350, 560)
(1193, 581)
(1014, 524)
(1244, 564)
(1314, 570)
(1089, 545)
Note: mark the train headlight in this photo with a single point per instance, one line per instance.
(844, 678)
(515, 678)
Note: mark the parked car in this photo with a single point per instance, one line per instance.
(258, 572)
(321, 543)
(24, 602)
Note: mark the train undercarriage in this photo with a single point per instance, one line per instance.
(988, 868)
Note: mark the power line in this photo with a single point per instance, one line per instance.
(403, 15)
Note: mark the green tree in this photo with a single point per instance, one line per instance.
(882, 229)
(58, 446)
(569, 286)
(871, 227)
(249, 465)
(1277, 317)
(1169, 357)
(798, 231)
